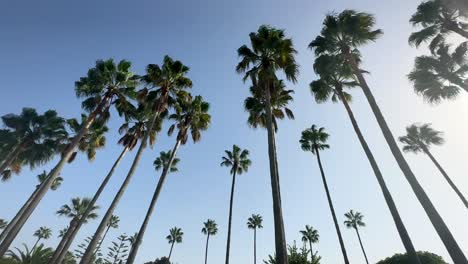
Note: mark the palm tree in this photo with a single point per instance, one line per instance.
(312, 236)
(355, 220)
(270, 52)
(106, 84)
(62, 232)
(175, 236)
(191, 116)
(314, 140)
(420, 138)
(113, 223)
(239, 162)
(210, 228)
(442, 75)
(255, 222)
(35, 139)
(343, 34)
(165, 83)
(42, 233)
(38, 255)
(3, 223)
(335, 77)
(437, 21)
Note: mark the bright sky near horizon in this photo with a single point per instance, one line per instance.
(47, 45)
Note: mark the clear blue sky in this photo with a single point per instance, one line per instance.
(47, 45)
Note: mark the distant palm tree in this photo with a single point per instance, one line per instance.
(255, 222)
(312, 236)
(113, 223)
(3, 223)
(239, 162)
(210, 228)
(342, 34)
(442, 75)
(336, 79)
(314, 140)
(419, 138)
(165, 84)
(62, 232)
(270, 52)
(191, 117)
(42, 233)
(175, 236)
(437, 21)
(355, 220)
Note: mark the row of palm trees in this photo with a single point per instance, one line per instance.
(35, 139)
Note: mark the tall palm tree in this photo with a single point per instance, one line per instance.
(175, 236)
(343, 34)
(442, 75)
(106, 84)
(270, 52)
(36, 139)
(210, 228)
(164, 83)
(355, 220)
(420, 138)
(255, 222)
(314, 140)
(239, 162)
(42, 233)
(336, 78)
(437, 21)
(311, 235)
(191, 116)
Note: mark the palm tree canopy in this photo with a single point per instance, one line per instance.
(43, 232)
(354, 219)
(108, 80)
(345, 32)
(63, 231)
(77, 209)
(191, 115)
(420, 137)
(114, 221)
(38, 255)
(162, 162)
(55, 184)
(237, 159)
(210, 227)
(255, 221)
(442, 75)
(175, 235)
(256, 104)
(437, 21)
(310, 234)
(314, 139)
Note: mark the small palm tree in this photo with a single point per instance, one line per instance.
(315, 140)
(437, 21)
(239, 162)
(343, 34)
(55, 184)
(312, 236)
(420, 138)
(62, 232)
(442, 75)
(113, 223)
(38, 255)
(175, 236)
(210, 228)
(255, 222)
(3, 224)
(42, 233)
(355, 220)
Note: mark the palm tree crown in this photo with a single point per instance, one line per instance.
(114, 221)
(162, 162)
(210, 227)
(55, 184)
(43, 233)
(175, 235)
(237, 159)
(78, 208)
(314, 139)
(310, 235)
(255, 222)
(354, 219)
(420, 137)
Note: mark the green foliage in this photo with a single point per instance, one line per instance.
(55, 184)
(420, 137)
(237, 159)
(77, 209)
(3, 224)
(210, 227)
(425, 257)
(314, 139)
(79, 252)
(118, 252)
(38, 255)
(354, 219)
(43, 233)
(255, 222)
(175, 235)
(162, 260)
(296, 256)
(162, 162)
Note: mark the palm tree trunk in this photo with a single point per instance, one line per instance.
(280, 238)
(97, 235)
(231, 202)
(60, 253)
(157, 192)
(444, 233)
(311, 252)
(206, 248)
(447, 178)
(362, 247)
(170, 252)
(35, 244)
(52, 176)
(332, 209)
(255, 246)
(404, 236)
(11, 157)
